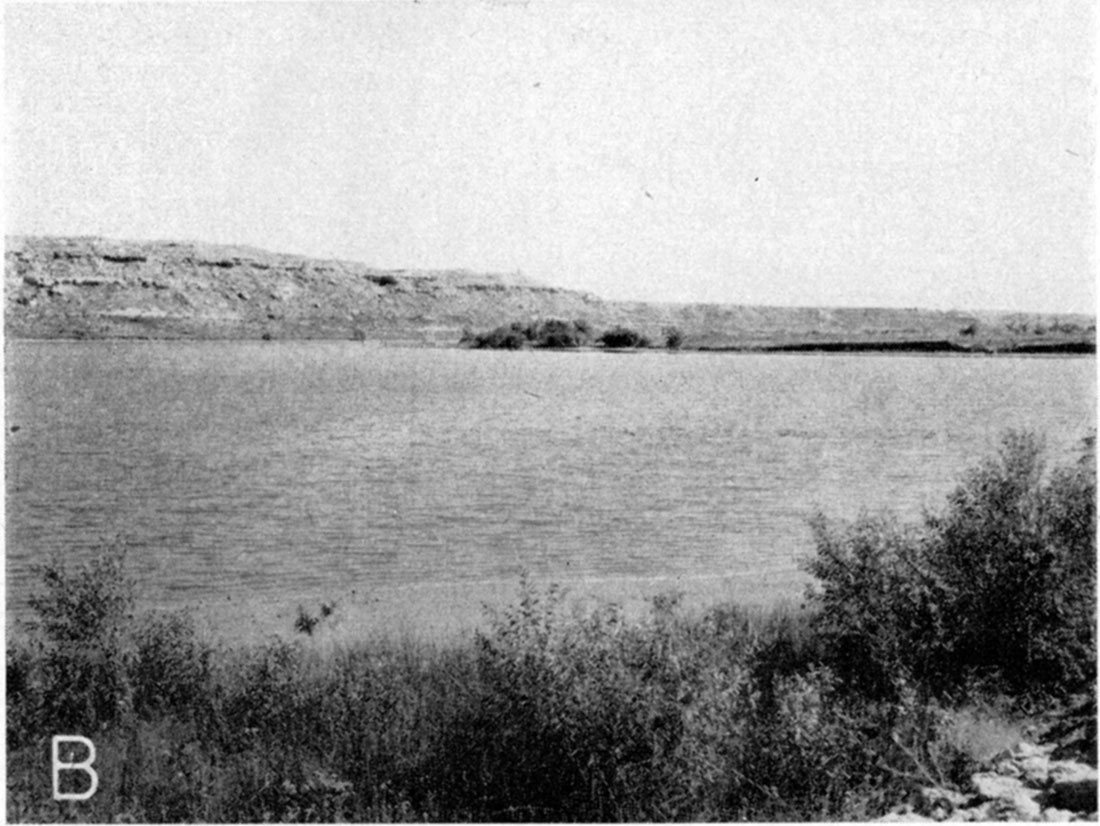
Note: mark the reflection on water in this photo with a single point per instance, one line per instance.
(248, 470)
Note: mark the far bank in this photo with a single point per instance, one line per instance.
(93, 288)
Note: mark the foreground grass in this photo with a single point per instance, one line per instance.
(835, 710)
(547, 716)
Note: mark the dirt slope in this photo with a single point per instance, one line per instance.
(100, 288)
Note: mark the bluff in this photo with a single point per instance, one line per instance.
(101, 288)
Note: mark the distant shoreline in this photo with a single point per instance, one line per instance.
(842, 348)
(1076, 348)
(108, 289)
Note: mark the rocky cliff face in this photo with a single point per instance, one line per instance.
(99, 288)
(95, 288)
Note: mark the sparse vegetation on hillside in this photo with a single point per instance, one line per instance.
(902, 671)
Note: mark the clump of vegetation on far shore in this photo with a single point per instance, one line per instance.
(623, 337)
(556, 334)
(922, 649)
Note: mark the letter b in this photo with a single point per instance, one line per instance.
(85, 766)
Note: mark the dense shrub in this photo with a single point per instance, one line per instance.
(510, 337)
(999, 588)
(76, 676)
(877, 597)
(623, 337)
(171, 667)
(87, 662)
(550, 333)
(590, 718)
(555, 333)
(1016, 551)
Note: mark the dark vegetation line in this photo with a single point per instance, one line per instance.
(935, 346)
(918, 645)
(556, 334)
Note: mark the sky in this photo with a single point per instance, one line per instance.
(914, 153)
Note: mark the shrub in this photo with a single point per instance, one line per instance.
(554, 333)
(551, 333)
(171, 668)
(81, 649)
(623, 337)
(878, 598)
(674, 338)
(998, 588)
(1017, 553)
(502, 338)
(593, 719)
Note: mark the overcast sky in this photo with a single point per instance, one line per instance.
(930, 153)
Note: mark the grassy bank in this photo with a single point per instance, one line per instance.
(835, 709)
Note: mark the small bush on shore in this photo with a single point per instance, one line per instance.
(674, 337)
(623, 337)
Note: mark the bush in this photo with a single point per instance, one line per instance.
(77, 677)
(674, 338)
(88, 663)
(555, 333)
(171, 667)
(878, 598)
(590, 718)
(510, 337)
(1016, 551)
(622, 337)
(551, 333)
(998, 589)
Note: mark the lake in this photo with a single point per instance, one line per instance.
(409, 485)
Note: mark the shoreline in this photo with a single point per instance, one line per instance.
(97, 288)
(843, 348)
(447, 613)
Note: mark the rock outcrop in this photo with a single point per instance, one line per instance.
(1025, 783)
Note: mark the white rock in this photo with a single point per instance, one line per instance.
(1027, 807)
(1035, 770)
(938, 803)
(1025, 749)
(903, 814)
(990, 786)
(1053, 815)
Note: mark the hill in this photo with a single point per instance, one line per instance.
(101, 288)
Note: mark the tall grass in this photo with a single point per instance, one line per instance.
(545, 715)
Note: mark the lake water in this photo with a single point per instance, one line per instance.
(253, 476)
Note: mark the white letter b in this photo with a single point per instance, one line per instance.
(85, 766)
